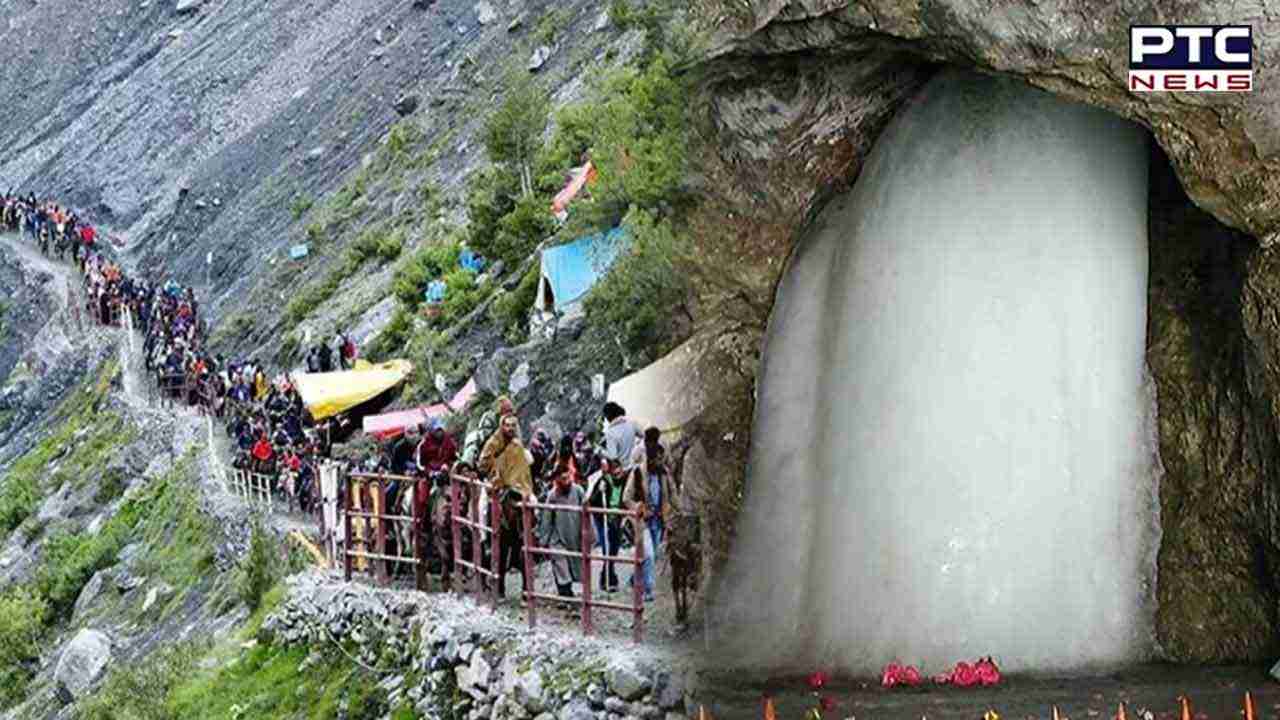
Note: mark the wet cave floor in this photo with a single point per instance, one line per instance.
(1215, 692)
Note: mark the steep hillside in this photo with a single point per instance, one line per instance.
(210, 133)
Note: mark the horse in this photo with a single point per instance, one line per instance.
(684, 558)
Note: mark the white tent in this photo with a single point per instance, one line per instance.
(667, 394)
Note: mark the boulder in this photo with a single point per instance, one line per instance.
(129, 552)
(626, 679)
(406, 104)
(473, 679)
(577, 709)
(519, 379)
(83, 663)
(485, 13)
(539, 58)
(668, 691)
(595, 695)
(155, 594)
(188, 6)
(529, 691)
(126, 581)
(90, 593)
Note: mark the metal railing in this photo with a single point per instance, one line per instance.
(254, 487)
(473, 522)
(587, 558)
(369, 523)
(173, 388)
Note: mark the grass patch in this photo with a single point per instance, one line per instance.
(177, 542)
(382, 242)
(269, 601)
(300, 206)
(141, 691)
(166, 517)
(550, 26)
(267, 682)
(394, 336)
(177, 535)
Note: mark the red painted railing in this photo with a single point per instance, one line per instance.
(472, 519)
(588, 559)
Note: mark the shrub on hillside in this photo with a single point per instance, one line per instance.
(512, 309)
(428, 263)
(256, 573)
(18, 499)
(462, 295)
(22, 617)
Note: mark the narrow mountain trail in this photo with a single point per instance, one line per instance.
(72, 330)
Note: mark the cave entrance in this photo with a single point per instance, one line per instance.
(953, 451)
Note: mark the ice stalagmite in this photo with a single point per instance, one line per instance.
(950, 455)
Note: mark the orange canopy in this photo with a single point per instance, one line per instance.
(582, 176)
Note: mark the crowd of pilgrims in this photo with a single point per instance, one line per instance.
(622, 468)
(271, 430)
(55, 229)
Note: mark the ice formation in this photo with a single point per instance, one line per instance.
(951, 455)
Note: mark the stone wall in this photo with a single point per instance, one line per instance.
(450, 658)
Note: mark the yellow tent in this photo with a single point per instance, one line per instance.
(327, 394)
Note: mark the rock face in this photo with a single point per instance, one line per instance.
(792, 96)
(83, 663)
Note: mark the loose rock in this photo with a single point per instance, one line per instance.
(83, 663)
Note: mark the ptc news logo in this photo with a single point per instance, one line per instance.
(1190, 58)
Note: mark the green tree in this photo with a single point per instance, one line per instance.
(646, 291)
(513, 133)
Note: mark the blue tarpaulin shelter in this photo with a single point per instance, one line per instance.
(435, 292)
(469, 260)
(297, 252)
(570, 270)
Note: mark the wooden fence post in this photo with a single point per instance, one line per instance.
(347, 529)
(527, 581)
(456, 528)
(584, 537)
(495, 544)
(379, 496)
(637, 576)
